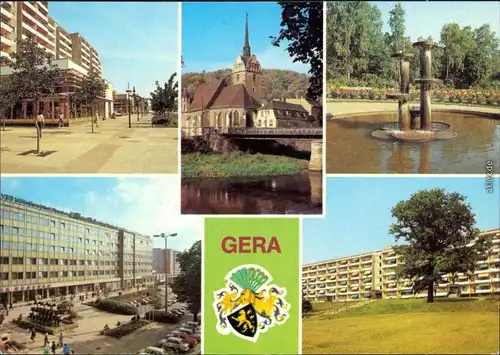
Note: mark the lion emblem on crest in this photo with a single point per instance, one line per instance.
(249, 304)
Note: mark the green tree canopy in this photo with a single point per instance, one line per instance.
(306, 305)
(359, 52)
(187, 285)
(8, 98)
(302, 28)
(34, 75)
(440, 238)
(165, 98)
(93, 88)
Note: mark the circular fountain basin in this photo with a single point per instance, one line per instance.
(413, 136)
(391, 130)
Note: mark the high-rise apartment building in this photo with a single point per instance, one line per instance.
(45, 252)
(374, 275)
(70, 52)
(165, 261)
(21, 19)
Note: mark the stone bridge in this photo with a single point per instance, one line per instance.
(272, 133)
(314, 135)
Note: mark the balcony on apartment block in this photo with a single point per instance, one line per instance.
(354, 276)
(390, 256)
(389, 272)
(322, 268)
(483, 289)
(6, 11)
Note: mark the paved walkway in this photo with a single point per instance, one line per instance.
(113, 148)
(343, 108)
(86, 339)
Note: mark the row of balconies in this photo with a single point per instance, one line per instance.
(387, 255)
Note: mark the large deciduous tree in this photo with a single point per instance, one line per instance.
(34, 76)
(92, 89)
(302, 27)
(164, 98)
(187, 285)
(8, 98)
(440, 238)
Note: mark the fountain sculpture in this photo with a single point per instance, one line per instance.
(408, 128)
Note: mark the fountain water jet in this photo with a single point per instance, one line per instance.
(407, 129)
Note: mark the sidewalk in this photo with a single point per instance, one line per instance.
(113, 148)
(344, 108)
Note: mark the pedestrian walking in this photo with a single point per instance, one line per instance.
(33, 334)
(40, 123)
(10, 306)
(66, 349)
(96, 119)
(61, 339)
(54, 347)
(61, 120)
(46, 339)
(46, 350)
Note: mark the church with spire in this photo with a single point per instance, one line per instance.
(235, 101)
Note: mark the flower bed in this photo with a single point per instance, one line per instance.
(471, 97)
(114, 306)
(31, 122)
(125, 329)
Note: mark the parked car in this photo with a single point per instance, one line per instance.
(188, 339)
(152, 350)
(176, 312)
(195, 333)
(191, 324)
(177, 344)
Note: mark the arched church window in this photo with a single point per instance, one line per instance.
(254, 77)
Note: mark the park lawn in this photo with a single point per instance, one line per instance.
(451, 326)
(239, 164)
(322, 307)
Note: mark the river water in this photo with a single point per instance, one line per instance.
(287, 194)
(350, 148)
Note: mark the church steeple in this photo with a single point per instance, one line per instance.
(246, 47)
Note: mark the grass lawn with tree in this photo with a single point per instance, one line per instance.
(447, 326)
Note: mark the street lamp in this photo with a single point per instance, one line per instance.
(137, 103)
(128, 103)
(165, 236)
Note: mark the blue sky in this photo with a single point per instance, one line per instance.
(358, 212)
(213, 35)
(136, 41)
(427, 18)
(145, 205)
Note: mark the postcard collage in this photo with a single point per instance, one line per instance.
(250, 177)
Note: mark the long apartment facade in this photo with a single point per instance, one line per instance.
(373, 274)
(71, 52)
(45, 252)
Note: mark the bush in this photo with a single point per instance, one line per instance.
(306, 306)
(125, 329)
(114, 306)
(162, 317)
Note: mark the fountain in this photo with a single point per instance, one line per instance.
(407, 128)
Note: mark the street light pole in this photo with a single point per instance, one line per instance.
(128, 103)
(165, 236)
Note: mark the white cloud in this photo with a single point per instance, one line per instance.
(148, 206)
